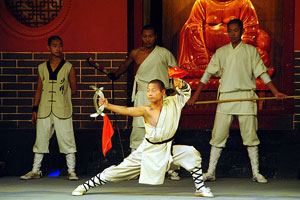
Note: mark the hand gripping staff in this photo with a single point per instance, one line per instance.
(107, 131)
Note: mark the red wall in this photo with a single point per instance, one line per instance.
(297, 25)
(85, 26)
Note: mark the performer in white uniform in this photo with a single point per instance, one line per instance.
(238, 65)
(154, 156)
(52, 109)
(153, 62)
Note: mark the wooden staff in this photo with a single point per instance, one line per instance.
(245, 99)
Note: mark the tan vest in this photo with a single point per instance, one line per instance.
(56, 90)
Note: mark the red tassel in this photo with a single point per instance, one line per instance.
(107, 133)
(175, 72)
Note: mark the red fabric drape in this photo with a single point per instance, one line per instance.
(107, 133)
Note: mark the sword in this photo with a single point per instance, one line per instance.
(98, 93)
(99, 110)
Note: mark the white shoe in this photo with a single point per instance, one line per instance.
(172, 175)
(31, 175)
(209, 177)
(79, 191)
(204, 192)
(72, 176)
(259, 178)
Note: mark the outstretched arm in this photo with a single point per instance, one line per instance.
(123, 110)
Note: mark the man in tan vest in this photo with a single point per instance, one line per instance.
(52, 109)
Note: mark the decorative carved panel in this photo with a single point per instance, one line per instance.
(34, 13)
(34, 19)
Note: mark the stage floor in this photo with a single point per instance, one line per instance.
(58, 188)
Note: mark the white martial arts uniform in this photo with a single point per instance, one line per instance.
(237, 68)
(55, 109)
(155, 66)
(151, 161)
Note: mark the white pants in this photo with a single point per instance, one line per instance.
(185, 156)
(248, 128)
(64, 134)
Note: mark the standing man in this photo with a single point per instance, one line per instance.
(52, 109)
(153, 62)
(238, 65)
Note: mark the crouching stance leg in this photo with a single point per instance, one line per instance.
(188, 157)
(201, 190)
(93, 182)
(126, 170)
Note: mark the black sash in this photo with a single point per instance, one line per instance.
(162, 142)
